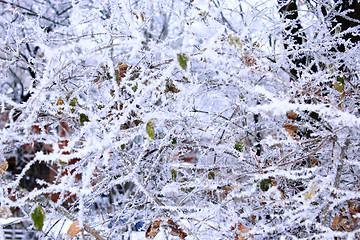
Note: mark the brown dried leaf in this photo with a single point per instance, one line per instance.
(170, 87)
(220, 194)
(4, 165)
(73, 230)
(240, 238)
(336, 221)
(122, 69)
(229, 188)
(315, 162)
(242, 234)
(153, 229)
(291, 115)
(248, 60)
(354, 208)
(346, 224)
(176, 230)
(290, 128)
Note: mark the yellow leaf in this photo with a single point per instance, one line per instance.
(339, 86)
(310, 194)
(59, 102)
(5, 212)
(73, 230)
(235, 42)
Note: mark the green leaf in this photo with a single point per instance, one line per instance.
(338, 29)
(239, 146)
(83, 118)
(211, 175)
(73, 102)
(150, 130)
(339, 84)
(187, 190)
(134, 88)
(173, 174)
(340, 79)
(182, 59)
(38, 216)
(62, 163)
(265, 184)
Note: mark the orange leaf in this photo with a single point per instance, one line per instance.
(122, 69)
(73, 230)
(241, 234)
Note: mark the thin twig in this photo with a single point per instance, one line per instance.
(197, 220)
(221, 116)
(31, 12)
(64, 212)
(341, 164)
(307, 155)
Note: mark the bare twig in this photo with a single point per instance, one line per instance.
(307, 155)
(31, 12)
(341, 163)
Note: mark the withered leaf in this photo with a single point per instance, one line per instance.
(291, 115)
(5, 212)
(170, 87)
(176, 230)
(4, 165)
(73, 230)
(354, 208)
(153, 229)
(290, 128)
(336, 221)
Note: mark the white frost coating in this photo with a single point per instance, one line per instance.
(211, 114)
